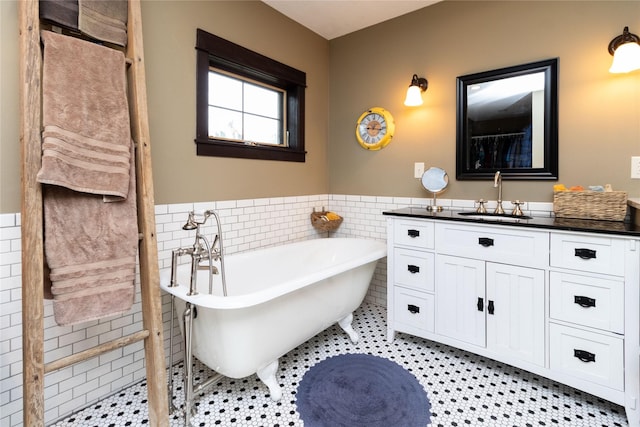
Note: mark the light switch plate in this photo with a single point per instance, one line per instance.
(635, 167)
(418, 169)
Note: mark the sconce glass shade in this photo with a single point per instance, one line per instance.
(414, 97)
(414, 93)
(626, 52)
(626, 58)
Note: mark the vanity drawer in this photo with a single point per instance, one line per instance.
(588, 253)
(588, 301)
(415, 234)
(413, 269)
(506, 245)
(413, 310)
(587, 355)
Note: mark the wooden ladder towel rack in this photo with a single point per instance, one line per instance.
(34, 368)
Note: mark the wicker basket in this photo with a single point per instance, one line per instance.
(610, 206)
(320, 221)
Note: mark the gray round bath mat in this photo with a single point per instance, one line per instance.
(358, 390)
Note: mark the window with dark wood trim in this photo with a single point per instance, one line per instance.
(213, 51)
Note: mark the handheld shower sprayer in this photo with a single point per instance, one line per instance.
(192, 223)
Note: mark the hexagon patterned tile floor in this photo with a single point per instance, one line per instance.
(464, 389)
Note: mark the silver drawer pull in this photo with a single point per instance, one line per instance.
(584, 253)
(584, 355)
(583, 301)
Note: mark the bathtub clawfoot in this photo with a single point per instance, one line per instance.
(345, 324)
(268, 376)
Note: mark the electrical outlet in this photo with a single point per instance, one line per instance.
(418, 169)
(635, 167)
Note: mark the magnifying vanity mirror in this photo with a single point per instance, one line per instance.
(507, 121)
(435, 180)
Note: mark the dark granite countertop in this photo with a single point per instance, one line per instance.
(591, 226)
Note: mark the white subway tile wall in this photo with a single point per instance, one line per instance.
(246, 225)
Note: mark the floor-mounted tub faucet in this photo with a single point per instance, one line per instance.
(497, 182)
(201, 251)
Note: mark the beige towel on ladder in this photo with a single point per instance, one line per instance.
(90, 213)
(104, 20)
(91, 247)
(85, 112)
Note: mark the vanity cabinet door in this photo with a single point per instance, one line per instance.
(515, 312)
(460, 299)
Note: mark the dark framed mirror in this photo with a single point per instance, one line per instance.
(507, 121)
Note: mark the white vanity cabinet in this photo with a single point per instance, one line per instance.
(474, 287)
(490, 288)
(562, 304)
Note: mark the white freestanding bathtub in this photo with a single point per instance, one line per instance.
(278, 298)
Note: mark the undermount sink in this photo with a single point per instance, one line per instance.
(488, 215)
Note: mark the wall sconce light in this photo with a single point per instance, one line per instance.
(625, 49)
(414, 93)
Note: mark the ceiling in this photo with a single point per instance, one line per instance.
(335, 18)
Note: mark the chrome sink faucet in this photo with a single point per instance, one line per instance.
(497, 182)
